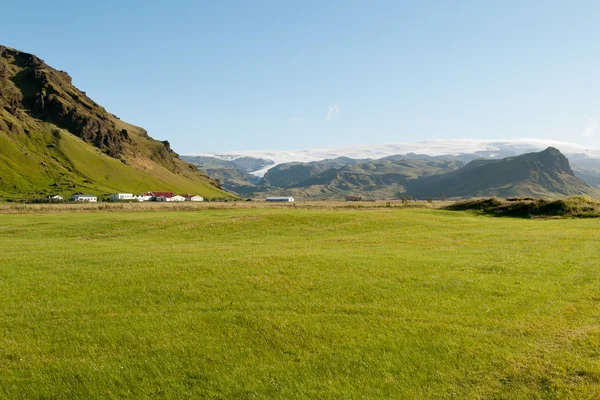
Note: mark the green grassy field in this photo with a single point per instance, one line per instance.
(298, 303)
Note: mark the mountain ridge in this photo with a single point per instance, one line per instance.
(547, 173)
(542, 174)
(462, 149)
(55, 139)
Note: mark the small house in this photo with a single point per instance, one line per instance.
(280, 199)
(144, 197)
(177, 198)
(54, 197)
(89, 198)
(154, 196)
(189, 197)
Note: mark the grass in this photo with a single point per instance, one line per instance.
(299, 302)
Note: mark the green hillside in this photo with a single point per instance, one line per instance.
(54, 139)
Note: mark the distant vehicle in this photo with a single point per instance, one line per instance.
(280, 199)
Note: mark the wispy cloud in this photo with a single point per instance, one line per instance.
(590, 129)
(334, 109)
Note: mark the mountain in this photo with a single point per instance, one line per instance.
(463, 150)
(543, 174)
(586, 168)
(335, 178)
(234, 175)
(55, 139)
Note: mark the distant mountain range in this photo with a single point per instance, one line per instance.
(461, 149)
(482, 173)
(54, 139)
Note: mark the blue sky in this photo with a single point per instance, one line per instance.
(233, 75)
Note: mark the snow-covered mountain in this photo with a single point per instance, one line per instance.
(480, 148)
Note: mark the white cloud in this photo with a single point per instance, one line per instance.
(590, 129)
(334, 109)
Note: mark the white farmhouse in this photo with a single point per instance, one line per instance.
(123, 197)
(55, 197)
(84, 197)
(177, 198)
(190, 197)
(145, 197)
(280, 199)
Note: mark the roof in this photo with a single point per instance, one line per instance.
(280, 198)
(191, 196)
(84, 195)
(160, 194)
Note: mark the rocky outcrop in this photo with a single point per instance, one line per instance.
(552, 160)
(49, 95)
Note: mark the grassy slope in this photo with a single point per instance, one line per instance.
(70, 165)
(37, 161)
(298, 304)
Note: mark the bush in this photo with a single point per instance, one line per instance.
(577, 206)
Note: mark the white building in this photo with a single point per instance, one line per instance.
(163, 198)
(84, 197)
(144, 197)
(189, 197)
(281, 199)
(177, 198)
(55, 197)
(123, 197)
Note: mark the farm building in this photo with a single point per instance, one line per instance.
(354, 198)
(84, 197)
(154, 196)
(123, 197)
(169, 198)
(55, 197)
(190, 197)
(144, 197)
(280, 199)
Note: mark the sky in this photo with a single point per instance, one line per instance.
(228, 75)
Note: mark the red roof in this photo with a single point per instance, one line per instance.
(160, 194)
